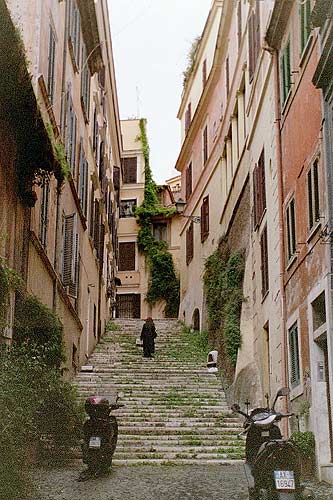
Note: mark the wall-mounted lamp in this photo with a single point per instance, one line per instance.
(180, 207)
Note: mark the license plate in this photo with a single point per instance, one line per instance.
(95, 442)
(284, 479)
(265, 434)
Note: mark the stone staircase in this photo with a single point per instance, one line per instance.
(173, 411)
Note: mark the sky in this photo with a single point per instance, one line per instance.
(151, 40)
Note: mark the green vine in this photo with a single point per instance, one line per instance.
(10, 280)
(60, 154)
(223, 280)
(164, 284)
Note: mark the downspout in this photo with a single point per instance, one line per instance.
(59, 183)
(284, 344)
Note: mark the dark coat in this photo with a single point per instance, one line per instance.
(148, 336)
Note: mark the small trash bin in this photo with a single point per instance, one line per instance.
(212, 361)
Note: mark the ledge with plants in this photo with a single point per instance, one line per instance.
(34, 158)
(164, 283)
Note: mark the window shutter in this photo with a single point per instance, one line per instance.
(189, 181)
(127, 256)
(205, 145)
(130, 170)
(239, 22)
(294, 356)
(116, 178)
(310, 202)
(188, 118)
(204, 72)
(204, 218)
(264, 262)
(69, 249)
(227, 76)
(189, 244)
(316, 191)
(101, 244)
(96, 226)
(91, 219)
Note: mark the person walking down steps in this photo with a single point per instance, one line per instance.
(148, 336)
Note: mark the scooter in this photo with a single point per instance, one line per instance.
(100, 437)
(272, 464)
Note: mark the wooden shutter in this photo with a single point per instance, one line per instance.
(188, 118)
(227, 76)
(294, 356)
(204, 72)
(264, 262)
(189, 244)
(130, 170)
(239, 22)
(204, 218)
(205, 145)
(83, 179)
(127, 256)
(251, 44)
(96, 226)
(91, 219)
(101, 244)
(188, 181)
(70, 244)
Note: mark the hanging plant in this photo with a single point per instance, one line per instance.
(163, 284)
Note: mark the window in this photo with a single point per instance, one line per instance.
(227, 76)
(319, 312)
(127, 208)
(294, 368)
(74, 26)
(313, 195)
(70, 254)
(264, 262)
(126, 256)
(44, 214)
(83, 180)
(286, 72)
(95, 134)
(204, 72)
(305, 22)
(239, 22)
(92, 208)
(96, 226)
(254, 38)
(51, 64)
(189, 244)
(291, 229)
(130, 170)
(259, 190)
(71, 126)
(205, 145)
(85, 82)
(188, 118)
(160, 231)
(204, 218)
(188, 180)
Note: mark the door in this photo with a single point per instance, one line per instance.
(128, 305)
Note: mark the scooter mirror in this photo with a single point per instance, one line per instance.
(284, 391)
(235, 407)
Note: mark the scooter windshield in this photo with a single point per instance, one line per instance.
(263, 419)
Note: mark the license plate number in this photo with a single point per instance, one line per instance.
(95, 442)
(284, 479)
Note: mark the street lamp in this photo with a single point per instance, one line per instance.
(180, 205)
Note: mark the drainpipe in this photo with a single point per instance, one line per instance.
(284, 350)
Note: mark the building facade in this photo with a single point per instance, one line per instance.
(133, 268)
(71, 232)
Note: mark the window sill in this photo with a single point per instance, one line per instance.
(296, 392)
(313, 231)
(291, 261)
(306, 50)
(286, 102)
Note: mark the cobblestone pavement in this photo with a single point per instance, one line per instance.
(146, 482)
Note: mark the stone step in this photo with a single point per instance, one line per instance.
(174, 412)
(178, 461)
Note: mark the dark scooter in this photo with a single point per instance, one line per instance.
(100, 437)
(272, 464)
